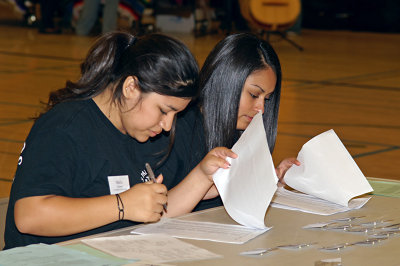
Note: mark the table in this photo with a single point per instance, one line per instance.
(287, 229)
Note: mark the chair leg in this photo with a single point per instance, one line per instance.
(283, 35)
(268, 33)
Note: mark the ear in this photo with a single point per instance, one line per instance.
(130, 88)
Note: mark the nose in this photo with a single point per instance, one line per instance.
(259, 106)
(166, 122)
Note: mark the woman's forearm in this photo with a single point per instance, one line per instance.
(211, 193)
(52, 215)
(185, 196)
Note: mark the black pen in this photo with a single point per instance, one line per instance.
(153, 178)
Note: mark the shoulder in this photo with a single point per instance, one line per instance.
(64, 113)
(58, 128)
(67, 116)
(72, 123)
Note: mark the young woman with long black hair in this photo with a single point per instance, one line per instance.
(81, 169)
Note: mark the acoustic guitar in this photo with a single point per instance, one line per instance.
(273, 14)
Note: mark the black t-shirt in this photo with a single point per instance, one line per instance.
(72, 149)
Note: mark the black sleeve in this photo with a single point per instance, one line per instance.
(46, 165)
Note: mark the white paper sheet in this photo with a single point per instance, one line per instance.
(247, 187)
(227, 233)
(290, 200)
(152, 248)
(327, 171)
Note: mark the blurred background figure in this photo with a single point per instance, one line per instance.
(233, 19)
(49, 16)
(48, 10)
(90, 14)
(207, 13)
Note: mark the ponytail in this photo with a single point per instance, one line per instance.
(96, 70)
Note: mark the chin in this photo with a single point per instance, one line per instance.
(242, 126)
(145, 139)
(141, 138)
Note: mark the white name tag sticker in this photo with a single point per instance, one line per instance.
(118, 183)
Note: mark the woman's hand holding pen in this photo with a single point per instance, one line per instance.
(215, 159)
(283, 166)
(144, 202)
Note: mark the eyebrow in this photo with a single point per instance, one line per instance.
(258, 87)
(172, 108)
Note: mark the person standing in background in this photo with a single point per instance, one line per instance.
(90, 13)
(48, 9)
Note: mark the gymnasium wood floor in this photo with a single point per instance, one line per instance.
(346, 81)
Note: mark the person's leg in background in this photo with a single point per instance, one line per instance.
(237, 17)
(88, 17)
(234, 20)
(48, 9)
(110, 15)
(227, 23)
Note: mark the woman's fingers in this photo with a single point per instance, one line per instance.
(221, 162)
(144, 202)
(161, 199)
(224, 152)
(157, 187)
(284, 166)
(159, 179)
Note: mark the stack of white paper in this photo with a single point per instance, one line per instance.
(227, 233)
(327, 171)
(297, 201)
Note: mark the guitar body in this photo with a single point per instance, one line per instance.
(274, 14)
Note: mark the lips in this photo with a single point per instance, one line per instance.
(154, 133)
(249, 118)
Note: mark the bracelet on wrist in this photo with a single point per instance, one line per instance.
(121, 212)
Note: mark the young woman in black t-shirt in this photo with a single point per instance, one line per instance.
(78, 172)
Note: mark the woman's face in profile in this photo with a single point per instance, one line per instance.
(150, 116)
(257, 89)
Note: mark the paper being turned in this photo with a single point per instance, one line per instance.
(327, 171)
(247, 187)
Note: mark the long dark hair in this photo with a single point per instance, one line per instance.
(221, 80)
(161, 64)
